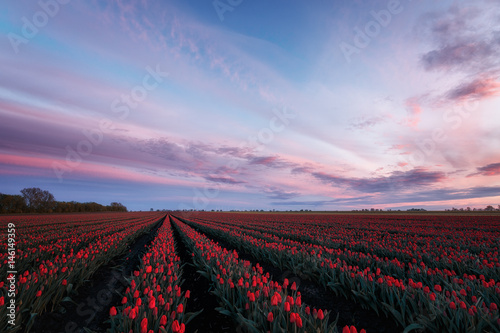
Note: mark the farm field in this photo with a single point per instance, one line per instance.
(250, 272)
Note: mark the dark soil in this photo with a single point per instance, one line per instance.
(90, 306)
(210, 320)
(316, 296)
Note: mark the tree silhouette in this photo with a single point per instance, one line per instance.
(38, 200)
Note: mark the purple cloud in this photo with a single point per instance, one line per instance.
(278, 194)
(459, 54)
(365, 122)
(463, 38)
(398, 180)
(224, 180)
(477, 89)
(492, 169)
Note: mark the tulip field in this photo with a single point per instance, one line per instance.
(413, 273)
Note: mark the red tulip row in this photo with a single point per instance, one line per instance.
(154, 301)
(383, 266)
(410, 241)
(48, 236)
(469, 302)
(47, 282)
(250, 296)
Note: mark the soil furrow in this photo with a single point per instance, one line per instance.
(210, 320)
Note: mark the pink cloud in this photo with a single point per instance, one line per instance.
(88, 169)
(414, 109)
(481, 88)
(492, 169)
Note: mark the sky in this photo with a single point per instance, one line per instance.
(239, 104)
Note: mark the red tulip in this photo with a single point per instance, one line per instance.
(132, 314)
(175, 326)
(287, 306)
(112, 311)
(144, 325)
(270, 317)
(320, 314)
(298, 320)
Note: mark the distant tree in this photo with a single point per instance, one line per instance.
(117, 207)
(489, 208)
(12, 204)
(38, 200)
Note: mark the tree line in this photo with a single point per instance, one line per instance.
(35, 200)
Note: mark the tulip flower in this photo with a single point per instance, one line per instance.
(287, 306)
(321, 316)
(144, 325)
(112, 311)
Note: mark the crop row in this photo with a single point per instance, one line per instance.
(249, 296)
(410, 242)
(435, 301)
(41, 286)
(154, 300)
